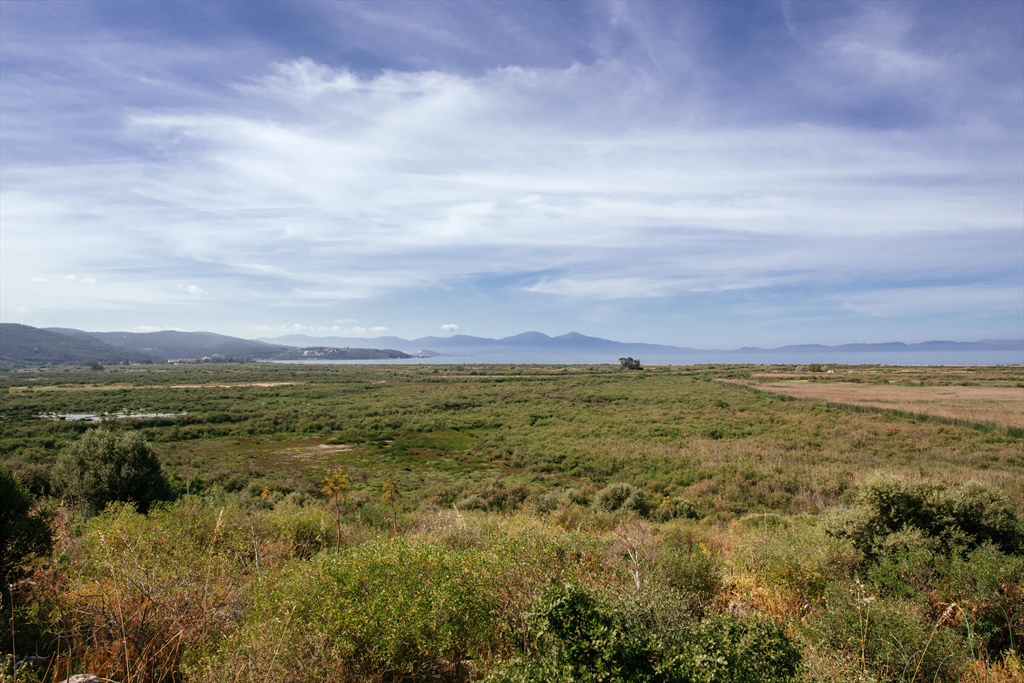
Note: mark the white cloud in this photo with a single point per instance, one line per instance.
(38, 279)
(21, 309)
(156, 328)
(450, 328)
(364, 330)
(405, 181)
(963, 299)
(603, 288)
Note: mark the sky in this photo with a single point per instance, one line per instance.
(702, 174)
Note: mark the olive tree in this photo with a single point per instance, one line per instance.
(102, 467)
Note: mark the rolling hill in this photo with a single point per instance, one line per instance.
(22, 344)
(174, 344)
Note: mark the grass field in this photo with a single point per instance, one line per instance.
(450, 431)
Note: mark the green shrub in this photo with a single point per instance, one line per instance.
(693, 570)
(102, 467)
(473, 502)
(890, 639)
(732, 649)
(23, 533)
(612, 497)
(577, 497)
(988, 588)
(959, 517)
(795, 557)
(622, 496)
(146, 591)
(638, 503)
(676, 508)
(397, 610)
(577, 638)
(549, 501)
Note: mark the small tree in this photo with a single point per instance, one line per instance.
(390, 495)
(335, 485)
(629, 363)
(102, 467)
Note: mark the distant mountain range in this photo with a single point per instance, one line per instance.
(460, 344)
(22, 344)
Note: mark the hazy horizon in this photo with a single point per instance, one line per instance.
(702, 174)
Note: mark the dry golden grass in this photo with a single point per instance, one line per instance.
(1003, 406)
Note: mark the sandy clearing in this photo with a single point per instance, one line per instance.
(314, 453)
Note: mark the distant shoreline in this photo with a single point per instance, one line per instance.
(895, 358)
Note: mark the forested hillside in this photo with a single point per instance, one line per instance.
(22, 344)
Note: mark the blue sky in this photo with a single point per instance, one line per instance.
(711, 174)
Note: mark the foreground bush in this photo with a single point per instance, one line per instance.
(137, 594)
(889, 640)
(23, 534)
(395, 610)
(576, 638)
(891, 514)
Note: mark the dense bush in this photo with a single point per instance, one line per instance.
(577, 638)
(622, 496)
(689, 566)
(103, 467)
(23, 533)
(889, 639)
(890, 515)
(396, 609)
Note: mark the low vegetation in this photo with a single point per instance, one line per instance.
(502, 523)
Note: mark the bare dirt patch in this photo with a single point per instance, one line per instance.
(314, 454)
(1002, 406)
(334, 448)
(231, 385)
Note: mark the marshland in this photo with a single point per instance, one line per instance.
(514, 523)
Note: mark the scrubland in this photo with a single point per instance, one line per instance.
(524, 523)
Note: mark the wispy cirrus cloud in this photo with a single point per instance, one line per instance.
(640, 166)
